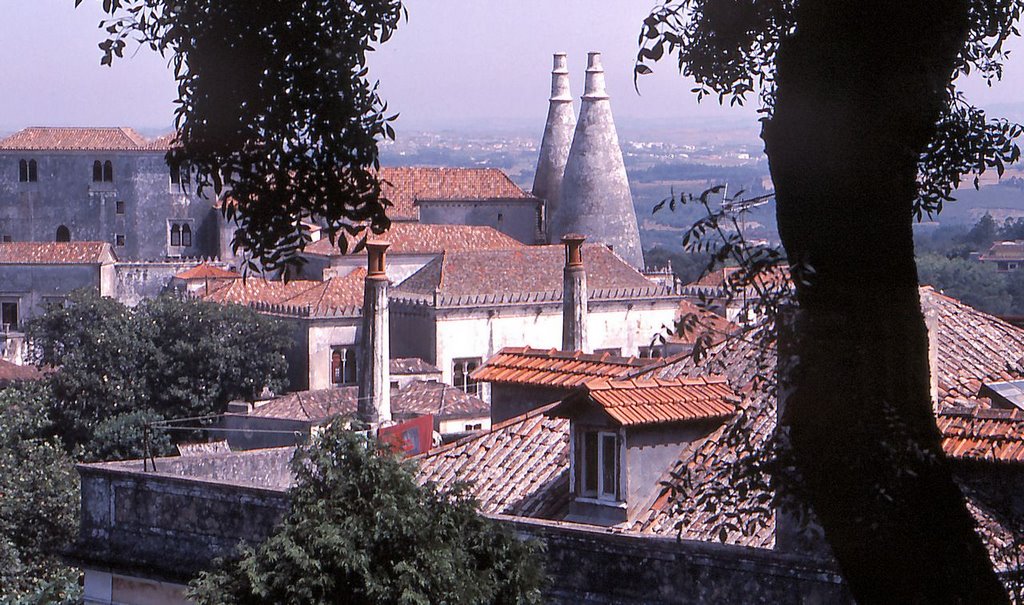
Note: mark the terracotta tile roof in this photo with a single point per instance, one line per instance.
(705, 466)
(973, 348)
(980, 434)
(528, 269)
(10, 372)
(418, 398)
(635, 402)
(207, 271)
(721, 277)
(694, 322)
(412, 365)
(81, 139)
(318, 298)
(56, 253)
(405, 186)
(567, 369)
(518, 467)
(443, 401)
(418, 238)
(314, 406)
(1005, 251)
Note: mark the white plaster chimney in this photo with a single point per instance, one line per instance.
(574, 295)
(554, 147)
(374, 405)
(595, 198)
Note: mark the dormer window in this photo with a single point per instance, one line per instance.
(597, 468)
(626, 433)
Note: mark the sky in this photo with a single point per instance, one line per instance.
(453, 64)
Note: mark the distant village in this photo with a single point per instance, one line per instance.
(514, 340)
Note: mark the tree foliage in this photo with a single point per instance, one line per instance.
(38, 503)
(275, 108)
(864, 129)
(120, 368)
(730, 49)
(361, 531)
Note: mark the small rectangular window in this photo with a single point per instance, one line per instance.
(119, 207)
(597, 464)
(119, 239)
(7, 239)
(461, 370)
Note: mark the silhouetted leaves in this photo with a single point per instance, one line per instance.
(276, 112)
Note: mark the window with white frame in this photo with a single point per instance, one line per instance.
(343, 366)
(461, 369)
(596, 455)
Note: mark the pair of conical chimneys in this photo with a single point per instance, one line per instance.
(580, 171)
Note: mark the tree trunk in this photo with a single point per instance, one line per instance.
(860, 86)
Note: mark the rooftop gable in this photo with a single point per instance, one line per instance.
(44, 138)
(405, 186)
(56, 253)
(530, 269)
(315, 298)
(517, 467)
(418, 238)
(418, 398)
(635, 402)
(207, 271)
(554, 368)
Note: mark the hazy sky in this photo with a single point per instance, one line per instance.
(454, 62)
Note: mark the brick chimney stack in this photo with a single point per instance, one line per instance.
(374, 405)
(554, 147)
(574, 295)
(595, 197)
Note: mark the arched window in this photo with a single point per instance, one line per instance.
(175, 235)
(108, 172)
(343, 366)
(63, 234)
(97, 172)
(186, 236)
(23, 171)
(33, 171)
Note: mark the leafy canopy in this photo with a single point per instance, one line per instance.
(38, 502)
(275, 108)
(730, 48)
(361, 531)
(121, 368)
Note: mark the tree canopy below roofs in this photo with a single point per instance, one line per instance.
(275, 109)
(864, 129)
(38, 503)
(119, 368)
(361, 531)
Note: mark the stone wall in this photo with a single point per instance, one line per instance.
(65, 194)
(138, 281)
(597, 567)
(169, 524)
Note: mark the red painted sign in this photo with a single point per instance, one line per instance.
(410, 437)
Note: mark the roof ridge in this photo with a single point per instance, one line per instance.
(494, 428)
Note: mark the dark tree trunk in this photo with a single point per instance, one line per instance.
(859, 89)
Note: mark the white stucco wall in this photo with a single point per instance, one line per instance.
(623, 326)
(323, 335)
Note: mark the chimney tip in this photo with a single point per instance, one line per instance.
(375, 261)
(594, 87)
(561, 64)
(573, 249)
